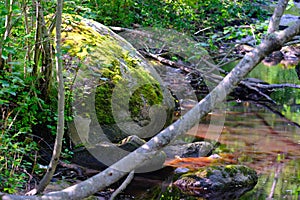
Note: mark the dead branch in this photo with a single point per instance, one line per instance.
(209, 75)
(123, 185)
(276, 177)
(257, 90)
(275, 86)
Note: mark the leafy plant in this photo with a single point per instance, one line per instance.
(21, 110)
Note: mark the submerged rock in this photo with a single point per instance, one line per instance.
(184, 150)
(218, 182)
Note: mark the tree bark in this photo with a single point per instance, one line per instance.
(8, 27)
(27, 29)
(46, 69)
(276, 17)
(61, 106)
(38, 40)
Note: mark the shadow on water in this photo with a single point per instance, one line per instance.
(255, 136)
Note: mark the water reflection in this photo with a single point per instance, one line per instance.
(266, 143)
(258, 139)
(255, 136)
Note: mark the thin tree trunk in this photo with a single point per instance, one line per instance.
(42, 48)
(46, 69)
(8, 26)
(8, 18)
(38, 33)
(27, 29)
(61, 105)
(276, 17)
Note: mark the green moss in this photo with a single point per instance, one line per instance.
(114, 66)
(143, 97)
(231, 170)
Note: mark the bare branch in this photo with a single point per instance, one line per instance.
(275, 19)
(123, 185)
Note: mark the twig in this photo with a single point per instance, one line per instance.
(229, 61)
(168, 62)
(274, 86)
(227, 54)
(123, 185)
(277, 173)
(201, 30)
(246, 84)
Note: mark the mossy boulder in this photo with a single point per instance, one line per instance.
(114, 91)
(218, 182)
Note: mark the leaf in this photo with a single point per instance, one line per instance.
(3, 12)
(4, 56)
(9, 49)
(4, 83)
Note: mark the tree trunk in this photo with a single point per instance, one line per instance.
(38, 33)
(61, 105)
(46, 70)
(275, 19)
(8, 26)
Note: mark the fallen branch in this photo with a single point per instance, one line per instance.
(248, 85)
(275, 86)
(276, 177)
(123, 185)
(208, 75)
(168, 62)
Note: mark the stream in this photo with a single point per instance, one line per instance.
(255, 137)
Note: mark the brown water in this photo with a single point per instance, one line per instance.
(255, 136)
(266, 143)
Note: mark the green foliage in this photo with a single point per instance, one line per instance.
(188, 15)
(21, 110)
(220, 20)
(12, 164)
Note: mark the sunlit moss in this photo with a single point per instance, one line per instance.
(114, 66)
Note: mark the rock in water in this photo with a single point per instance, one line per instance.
(218, 182)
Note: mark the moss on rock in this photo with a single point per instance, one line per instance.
(112, 72)
(218, 181)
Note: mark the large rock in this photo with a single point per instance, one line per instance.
(113, 91)
(114, 88)
(218, 182)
